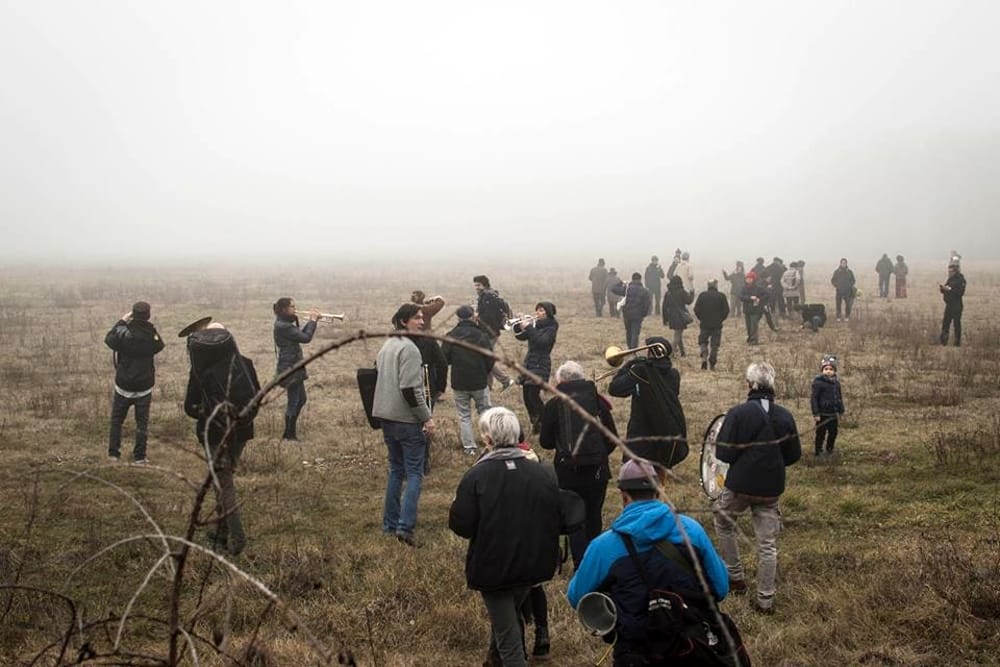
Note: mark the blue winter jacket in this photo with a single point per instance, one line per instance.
(607, 566)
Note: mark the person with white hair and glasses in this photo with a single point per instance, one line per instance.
(758, 440)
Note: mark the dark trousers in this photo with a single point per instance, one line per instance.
(633, 325)
(296, 398)
(952, 317)
(598, 303)
(657, 296)
(593, 495)
(613, 305)
(752, 322)
(229, 532)
(883, 285)
(709, 341)
(119, 409)
(778, 301)
(826, 429)
(845, 300)
(532, 395)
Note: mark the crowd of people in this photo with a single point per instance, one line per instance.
(509, 505)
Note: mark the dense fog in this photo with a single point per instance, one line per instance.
(443, 129)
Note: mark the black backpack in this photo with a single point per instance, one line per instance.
(681, 627)
(573, 431)
(493, 310)
(224, 375)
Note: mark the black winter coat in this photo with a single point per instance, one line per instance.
(639, 302)
(675, 303)
(711, 308)
(507, 506)
(755, 290)
(437, 366)
(469, 370)
(953, 296)
(135, 344)
(758, 470)
(653, 276)
(541, 339)
(826, 397)
(570, 473)
(288, 339)
(651, 416)
(843, 281)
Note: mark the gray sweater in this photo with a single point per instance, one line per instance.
(400, 368)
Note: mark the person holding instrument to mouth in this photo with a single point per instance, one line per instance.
(288, 339)
(541, 337)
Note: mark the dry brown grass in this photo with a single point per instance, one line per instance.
(888, 558)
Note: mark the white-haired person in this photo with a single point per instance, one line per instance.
(758, 440)
(507, 506)
(581, 464)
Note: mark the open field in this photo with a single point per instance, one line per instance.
(891, 557)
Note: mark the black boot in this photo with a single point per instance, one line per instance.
(541, 649)
(289, 433)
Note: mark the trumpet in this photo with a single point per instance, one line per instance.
(614, 355)
(523, 320)
(327, 317)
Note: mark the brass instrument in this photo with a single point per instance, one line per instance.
(614, 355)
(327, 317)
(523, 320)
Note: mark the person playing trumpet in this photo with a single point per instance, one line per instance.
(541, 337)
(288, 339)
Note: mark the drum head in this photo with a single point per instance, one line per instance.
(713, 471)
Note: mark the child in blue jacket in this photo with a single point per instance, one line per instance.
(827, 404)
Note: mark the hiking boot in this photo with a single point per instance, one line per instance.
(541, 649)
(140, 462)
(704, 365)
(290, 424)
(737, 586)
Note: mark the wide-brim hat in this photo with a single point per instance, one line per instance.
(197, 325)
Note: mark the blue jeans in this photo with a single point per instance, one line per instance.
(407, 448)
(119, 409)
(296, 393)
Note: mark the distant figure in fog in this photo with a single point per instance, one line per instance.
(635, 306)
(135, 342)
(675, 311)
(901, 269)
(952, 292)
(599, 286)
(736, 280)
(884, 270)
(612, 282)
(843, 282)
(653, 276)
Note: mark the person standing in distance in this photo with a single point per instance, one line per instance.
(598, 286)
(636, 305)
(469, 373)
(952, 292)
(288, 340)
(135, 342)
(405, 413)
(653, 278)
(711, 308)
(491, 313)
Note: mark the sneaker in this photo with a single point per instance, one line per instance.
(506, 385)
(114, 459)
(140, 462)
(764, 604)
(737, 586)
(471, 452)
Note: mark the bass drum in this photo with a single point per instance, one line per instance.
(713, 471)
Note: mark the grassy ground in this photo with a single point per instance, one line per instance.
(890, 557)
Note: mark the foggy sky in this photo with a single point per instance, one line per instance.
(158, 130)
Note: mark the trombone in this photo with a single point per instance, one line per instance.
(614, 355)
(523, 320)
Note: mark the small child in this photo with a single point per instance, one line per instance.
(827, 404)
